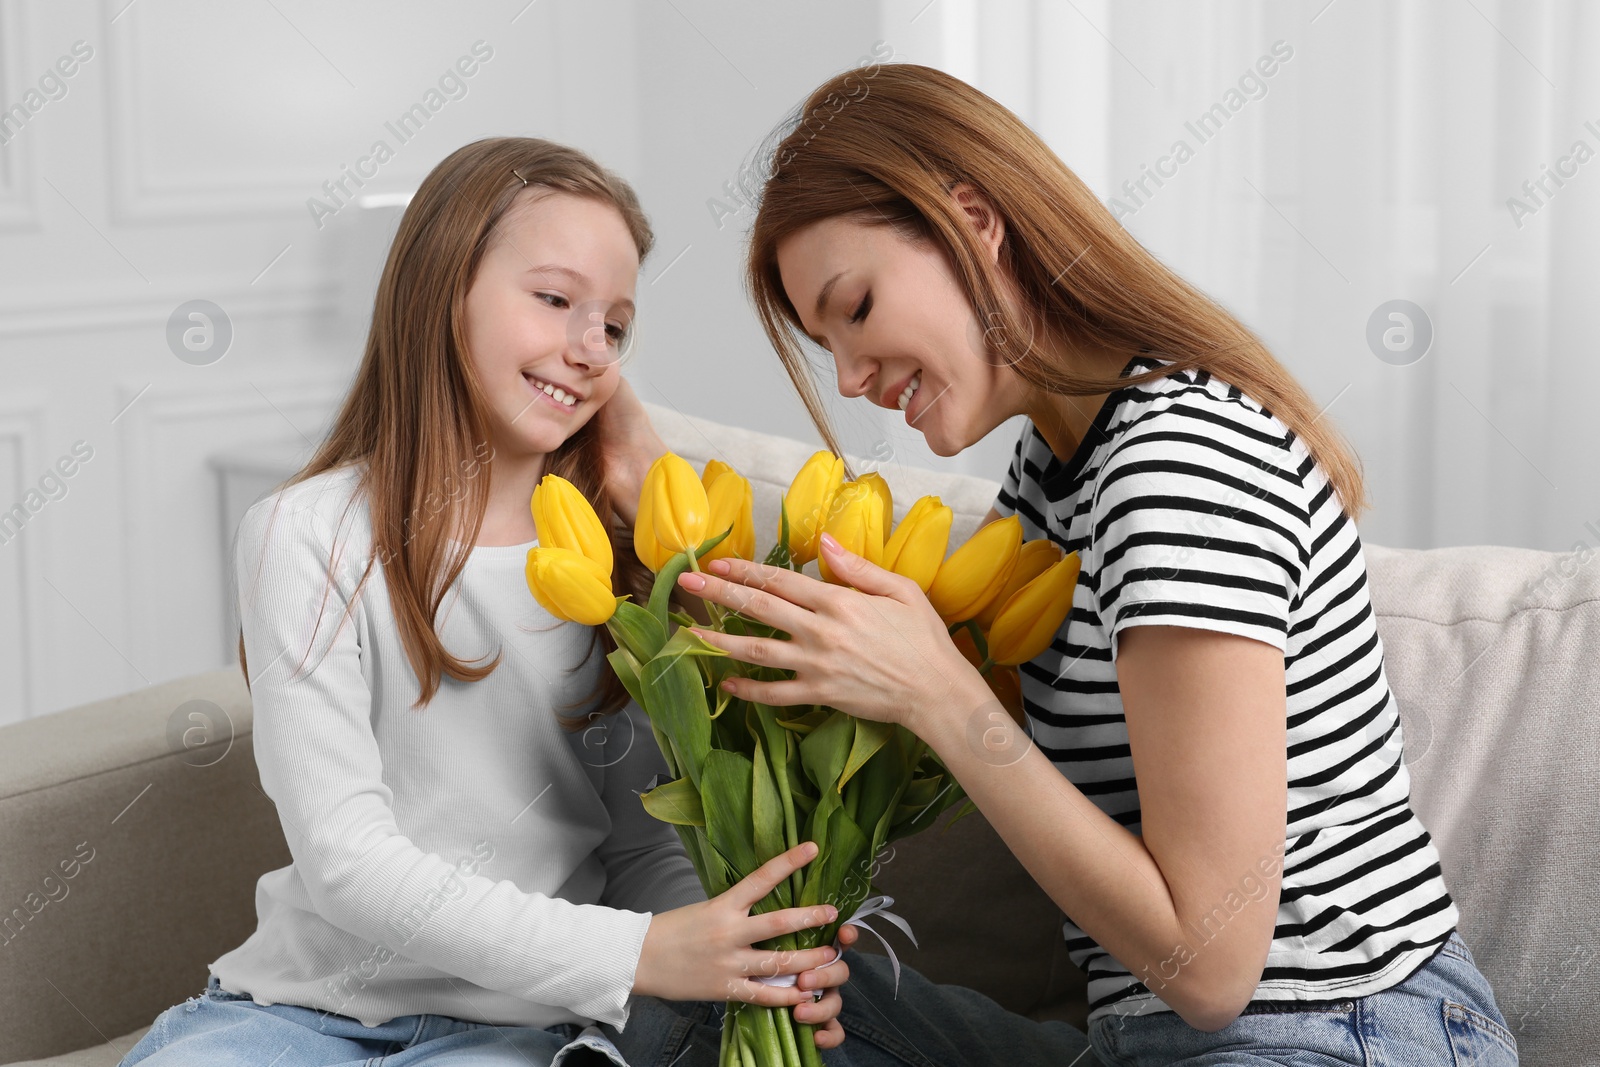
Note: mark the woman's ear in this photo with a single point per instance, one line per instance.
(981, 213)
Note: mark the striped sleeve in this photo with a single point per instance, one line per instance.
(1199, 526)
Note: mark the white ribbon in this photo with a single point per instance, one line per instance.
(878, 905)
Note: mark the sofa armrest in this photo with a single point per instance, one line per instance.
(133, 830)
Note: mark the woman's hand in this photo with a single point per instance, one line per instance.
(630, 444)
(877, 651)
(824, 1014)
(705, 951)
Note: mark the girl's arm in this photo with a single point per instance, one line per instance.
(319, 763)
(646, 866)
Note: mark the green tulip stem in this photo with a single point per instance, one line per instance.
(771, 1045)
(809, 1057)
(977, 639)
(786, 1036)
(791, 829)
(715, 610)
(728, 1054)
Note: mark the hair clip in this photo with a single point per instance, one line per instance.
(518, 173)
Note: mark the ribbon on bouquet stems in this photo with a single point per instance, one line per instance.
(878, 905)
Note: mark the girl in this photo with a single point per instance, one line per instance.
(470, 883)
(1211, 786)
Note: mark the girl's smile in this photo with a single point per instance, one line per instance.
(565, 399)
(547, 314)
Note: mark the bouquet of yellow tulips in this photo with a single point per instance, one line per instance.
(748, 780)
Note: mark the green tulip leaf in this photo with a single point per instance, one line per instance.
(676, 802)
(839, 875)
(667, 577)
(676, 703)
(869, 737)
(627, 667)
(825, 750)
(637, 630)
(766, 808)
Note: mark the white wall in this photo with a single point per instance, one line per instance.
(176, 164)
(177, 160)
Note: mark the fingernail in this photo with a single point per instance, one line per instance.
(692, 581)
(719, 566)
(831, 544)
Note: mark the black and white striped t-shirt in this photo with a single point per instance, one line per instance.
(1191, 505)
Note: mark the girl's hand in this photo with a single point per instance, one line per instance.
(630, 444)
(704, 951)
(876, 651)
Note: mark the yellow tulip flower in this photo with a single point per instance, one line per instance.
(645, 545)
(564, 518)
(678, 504)
(874, 481)
(808, 501)
(715, 469)
(917, 546)
(1030, 619)
(570, 585)
(732, 503)
(856, 520)
(976, 572)
(1035, 558)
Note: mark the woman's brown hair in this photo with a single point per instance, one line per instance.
(416, 414)
(886, 144)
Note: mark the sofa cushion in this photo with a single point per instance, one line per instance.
(133, 831)
(108, 1054)
(1493, 654)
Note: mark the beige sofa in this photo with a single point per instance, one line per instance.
(152, 803)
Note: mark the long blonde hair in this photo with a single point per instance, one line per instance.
(416, 414)
(885, 145)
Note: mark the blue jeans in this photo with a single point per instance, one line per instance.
(1443, 1015)
(223, 1029)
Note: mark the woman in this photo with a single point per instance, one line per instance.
(1211, 786)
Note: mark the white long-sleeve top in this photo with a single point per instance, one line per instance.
(469, 858)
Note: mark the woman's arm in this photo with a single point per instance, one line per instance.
(1206, 722)
(1183, 907)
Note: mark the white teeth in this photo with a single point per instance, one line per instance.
(553, 391)
(910, 390)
